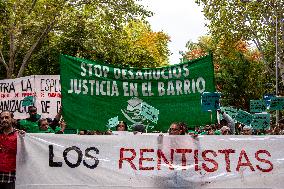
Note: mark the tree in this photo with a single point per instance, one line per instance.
(239, 71)
(28, 24)
(139, 47)
(248, 20)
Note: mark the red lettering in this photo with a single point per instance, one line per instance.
(122, 158)
(247, 163)
(263, 160)
(183, 157)
(141, 159)
(209, 160)
(51, 94)
(227, 158)
(196, 160)
(160, 155)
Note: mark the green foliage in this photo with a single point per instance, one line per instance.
(241, 80)
(239, 73)
(248, 20)
(33, 33)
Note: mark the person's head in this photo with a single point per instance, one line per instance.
(139, 128)
(191, 132)
(32, 111)
(247, 130)
(183, 127)
(43, 124)
(223, 122)
(175, 129)
(121, 126)
(82, 132)
(209, 130)
(225, 130)
(6, 120)
(197, 129)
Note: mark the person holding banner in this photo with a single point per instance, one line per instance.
(178, 129)
(247, 130)
(225, 130)
(8, 150)
(227, 121)
(30, 125)
(44, 127)
(121, 126)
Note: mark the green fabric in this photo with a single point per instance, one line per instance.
(50, 130)
(217, 132)
(29, 126)
(94, 92)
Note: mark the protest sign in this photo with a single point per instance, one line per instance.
(42, 91)
(149, 112)
(149, 161)
(92, 89)
(48, 90)
(232, 112)
(244, 117)
(210, 101)
(28, 101)
(13, 92)
(112, 122)
(257, 106)
(267, 98)
(261, 121)
(276, 103)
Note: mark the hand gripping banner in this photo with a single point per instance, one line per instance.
(149, 161)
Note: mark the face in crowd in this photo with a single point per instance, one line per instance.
(209, 130)
(43, 124)
(121, 126)
(225, 130)
(32, 111)
(175, 129)
(247, 131)
(6, 120)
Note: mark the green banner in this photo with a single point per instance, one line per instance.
(93, 92)
(257, 106)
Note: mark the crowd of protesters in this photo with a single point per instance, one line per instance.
(226, 126)
(11, 129)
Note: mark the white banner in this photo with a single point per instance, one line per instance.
(48, 90)
(45, 89)
(149, 161)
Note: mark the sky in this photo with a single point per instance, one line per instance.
(182, 20)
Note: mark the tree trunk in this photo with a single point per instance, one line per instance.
(31, 50)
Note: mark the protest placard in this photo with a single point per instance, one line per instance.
(232, 112)
(28, 101)
(276, 103)
(261, 121)
(112, 122)
(257, 106)
(267, 98)
(244, 117)
(210, 101)
(42, 91)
